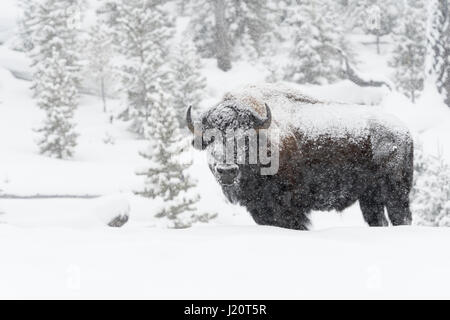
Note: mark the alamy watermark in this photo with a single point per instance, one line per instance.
(241, 147)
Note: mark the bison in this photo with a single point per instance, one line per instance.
(330, 156)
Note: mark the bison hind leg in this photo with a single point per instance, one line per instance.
(372, 207)
(399, 212)
(397, 205)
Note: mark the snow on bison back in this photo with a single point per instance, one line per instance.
(329, 155)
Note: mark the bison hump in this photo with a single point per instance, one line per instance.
(294, 112)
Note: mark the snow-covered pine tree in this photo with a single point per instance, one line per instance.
(285, 27)
(223, 26)
(57, 96)
(142, 31)
(351, 12)
(100, 54)
(437, 64)
(379, 18)
(409, 52)
(25, 24)
(210, 23)
(305, 64)
(222, 42)
(375, 17)
(316, 33)
(447, 70)
(202, 24)
(55, 61)
(188, 84)
(431, 192)
(166, 178)
(254, 21)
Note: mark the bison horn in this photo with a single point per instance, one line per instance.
(264, 123)
(190, 123)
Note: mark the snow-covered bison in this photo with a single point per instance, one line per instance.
(330, 156)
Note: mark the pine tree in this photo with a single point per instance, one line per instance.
(225, 28)
(254, 23)
(409, 53)
(25, 24)
(187, 84)
(166, 178)
(351, 12)
(375, 17)
(431, 192)
(202, 24)
(210, 23)
(380, 18)
(313, 58)
(437, 65)
(57, 96)
(100, 54)
(55, 61)
(142, 32)
(446, 78)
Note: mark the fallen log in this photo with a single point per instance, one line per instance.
(49, 196)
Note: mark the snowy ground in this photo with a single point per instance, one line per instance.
(62, 248)
(224, 262)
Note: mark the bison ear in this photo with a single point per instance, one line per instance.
(264, 123)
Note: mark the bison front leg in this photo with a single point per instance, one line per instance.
(292, 220)
(289, 214)
(272, 207)
(287, 220)
(280, 214)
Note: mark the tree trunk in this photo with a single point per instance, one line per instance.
(223, 49)
(102, 88)
(378, 44)
(48, 196)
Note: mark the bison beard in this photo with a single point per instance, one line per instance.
(323, 166)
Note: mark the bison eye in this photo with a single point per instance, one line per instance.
(204, 145)
(197, 146)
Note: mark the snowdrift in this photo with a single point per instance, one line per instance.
(224, 262)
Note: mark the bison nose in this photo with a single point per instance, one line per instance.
(227, 173)
(227, 169)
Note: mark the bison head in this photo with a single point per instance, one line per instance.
(229, 134)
